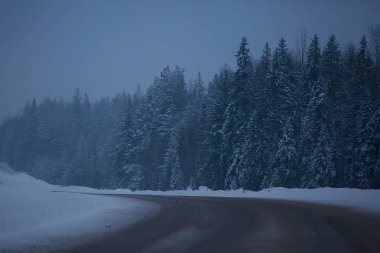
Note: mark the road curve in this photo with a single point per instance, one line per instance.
(205, 224)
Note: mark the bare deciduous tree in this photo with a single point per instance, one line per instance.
(301, 47)
(374, 41)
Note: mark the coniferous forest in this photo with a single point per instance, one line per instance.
(307, 118)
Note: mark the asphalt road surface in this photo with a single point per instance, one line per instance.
(205, 224)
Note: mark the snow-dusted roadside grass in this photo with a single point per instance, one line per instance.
(33, 218)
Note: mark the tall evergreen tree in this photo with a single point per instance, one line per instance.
(238, 109)
(332, 73)
(284, 113)
(256, 149)
(362, 110)
(213, 172)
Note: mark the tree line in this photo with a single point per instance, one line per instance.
(306, 119)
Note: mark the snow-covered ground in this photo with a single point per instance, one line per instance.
(363, 200)
(33, 218)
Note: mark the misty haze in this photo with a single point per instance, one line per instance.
(189, 126)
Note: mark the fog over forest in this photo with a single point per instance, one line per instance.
(305, 118)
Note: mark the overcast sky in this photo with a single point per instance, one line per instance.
(51, 47)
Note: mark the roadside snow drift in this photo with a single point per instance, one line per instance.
(362, 200)
(33, 218)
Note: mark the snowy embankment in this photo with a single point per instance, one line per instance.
(362, 200)
(33, 218)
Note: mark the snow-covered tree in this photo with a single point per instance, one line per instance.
(237, 111)
(212, 173)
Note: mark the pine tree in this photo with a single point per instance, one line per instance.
(27, 138)
(285, 118)
(172, 166)
(255, 148)
(309, 129)
(212, 173)
(313, 66)
(282, 83)
(124, 144)
(191, 133)
(81, 167)
(369, 175)
(320, 169)
(238, 109)
(362, 109)
(318, 166)
(332, 67)
(283, 168)
(336, 102)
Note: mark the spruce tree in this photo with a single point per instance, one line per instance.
(236, 113)
(255, 149)
(213, 171)
(284, 103)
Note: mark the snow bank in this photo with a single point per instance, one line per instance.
(364, 200)
(33, 218)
